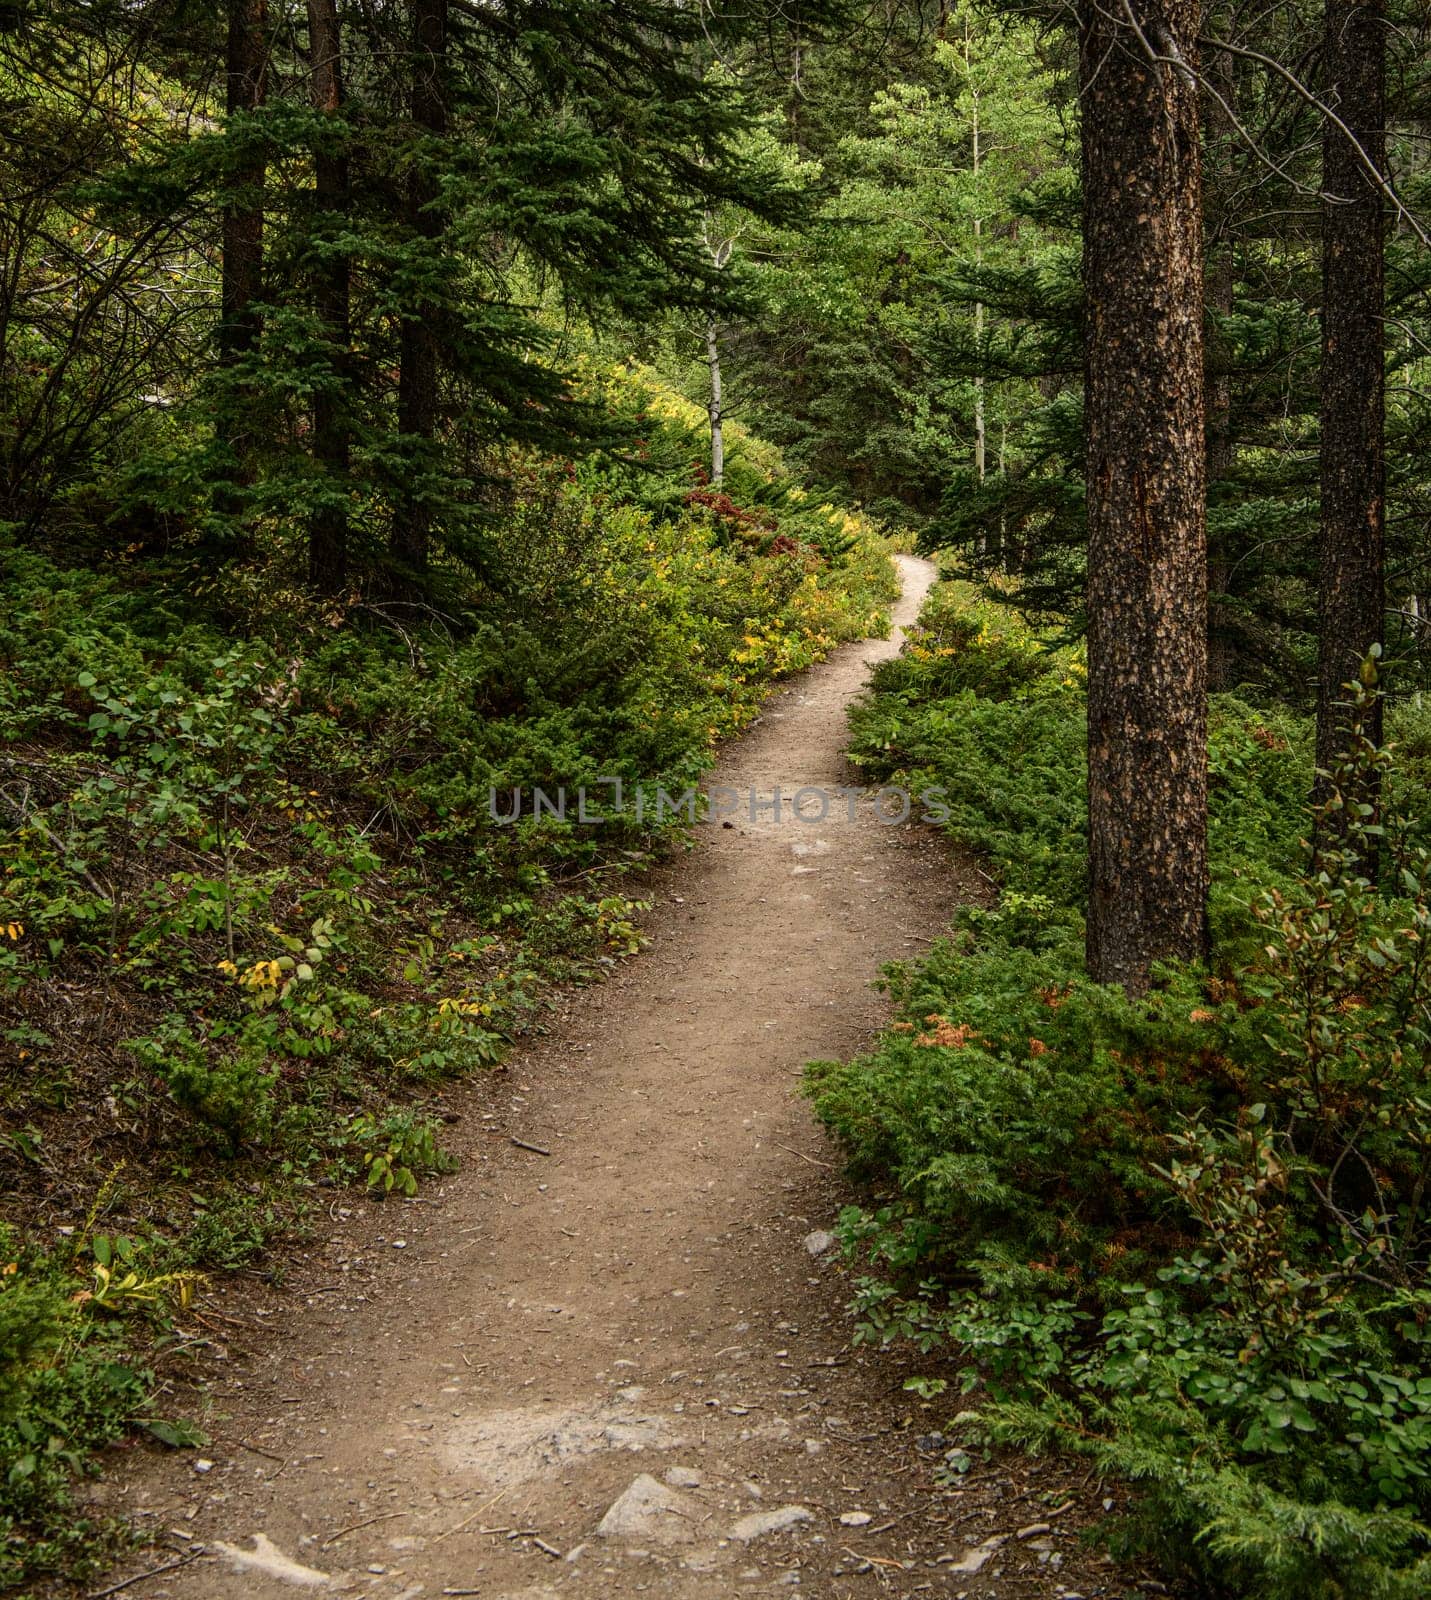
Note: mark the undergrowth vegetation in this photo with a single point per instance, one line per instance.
(256, 909)
(1188, 1235)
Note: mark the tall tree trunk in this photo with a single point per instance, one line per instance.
(795, 122)
(714, 409)
(241, 285)
(328, 524)
(1147, 528)
(719, 249)
(1353, 408)
(417, 380)
(1219, 88)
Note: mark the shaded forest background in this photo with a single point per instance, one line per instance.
(873, 214)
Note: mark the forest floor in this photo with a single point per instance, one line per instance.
(623, 1367)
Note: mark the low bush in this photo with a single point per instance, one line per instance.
(256, 909)
(1187, 1235)
(69, 1387)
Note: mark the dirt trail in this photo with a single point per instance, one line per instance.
(514, 1353)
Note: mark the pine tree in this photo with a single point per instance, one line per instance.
(884, 345)
(246, 81)
(418, 379)
(1147, 550)
(328, 521)
(1353, 396)
(1220, 170)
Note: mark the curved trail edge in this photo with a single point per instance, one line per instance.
(622, 1369)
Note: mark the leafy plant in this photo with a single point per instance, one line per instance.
(250, 880)
(68, 1387)
(398, 1149)
(1186, 1237)
(232, 1094)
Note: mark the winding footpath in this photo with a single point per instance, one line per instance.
(623, 1367)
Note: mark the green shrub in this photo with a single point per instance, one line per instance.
(68, 1388)
(34, 1316)
(253, 903)
(398, 1149)
(1188, 1235)
(231, 1094)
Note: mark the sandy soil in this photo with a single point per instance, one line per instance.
(449, 1396)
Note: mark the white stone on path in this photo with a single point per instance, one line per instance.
(647, 1510)
(975, 1558)
(267, 1558)
(759, 1523)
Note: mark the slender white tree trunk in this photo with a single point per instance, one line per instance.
(1003, 459)
(1413, 610)
(980, 434)
(717, 439)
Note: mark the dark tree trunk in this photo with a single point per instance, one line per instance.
(1147, 533)
(417, 381)
(1223, 655)
(328, 524)
(242, 238)
(1352, 591)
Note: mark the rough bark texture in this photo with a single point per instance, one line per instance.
(1147, 536)
(1352, 590)
(417, 382)
(328, 526)
(1224, 634)
(242, 234)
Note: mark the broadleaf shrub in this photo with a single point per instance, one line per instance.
(255, 909)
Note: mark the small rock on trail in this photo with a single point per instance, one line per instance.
(268, 1561)
(648, 1511)
(760, 1523)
